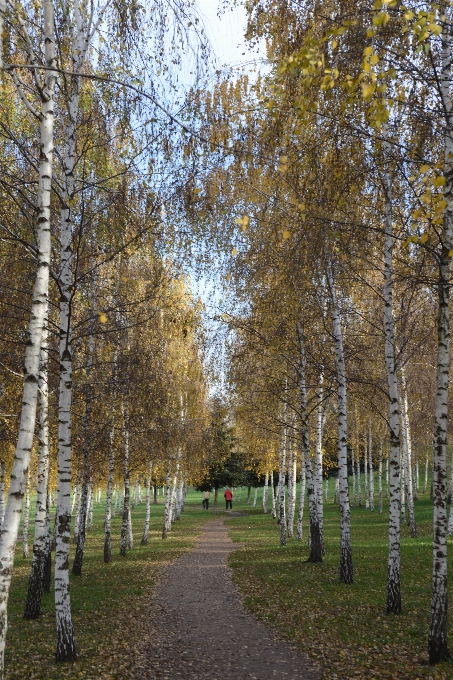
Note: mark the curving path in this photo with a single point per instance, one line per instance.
(199, 629)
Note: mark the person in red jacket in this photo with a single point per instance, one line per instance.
(228, 495)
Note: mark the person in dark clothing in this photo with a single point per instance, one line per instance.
(206, 496)
(228, 495)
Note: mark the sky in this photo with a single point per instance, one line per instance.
(227, 32)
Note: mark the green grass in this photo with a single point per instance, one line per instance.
(342, 628)
(108, 601)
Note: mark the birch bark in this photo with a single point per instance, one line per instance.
(26, 517)
(425, 481)
(290, 517)
(365, 474)
(10, 525)
(300, 516)
(148, 506)
(281, 481)
(167, 508)
(47, 569)
(265, 490)
(274, 509)
(437, 640)
(126, 478)
(359, 483)
(370, 462)
(346, 568)
(316, 547)
(393, 574)
(35, 583)
(108, 497)
(2, 490)
(407, 458)
(380, 479)
(90, 506)
(320, 421)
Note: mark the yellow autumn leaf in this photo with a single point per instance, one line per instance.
(245, 220)
(411, 239)
(416, 214)
(234, 252)
(450, 253)
(228, 277)
(367, 89)
(239, 221)
(374, 59)
(439, 181)
(286, 234)
(334, 44)
(197, 191)
(435, 29)
(367, 51)
(424, 238)
(424, 168)
(283, 160)
(102, 317)
(408, 15)
(301, 206)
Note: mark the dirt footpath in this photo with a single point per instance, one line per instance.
(199, 629)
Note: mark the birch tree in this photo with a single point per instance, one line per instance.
(10, 525)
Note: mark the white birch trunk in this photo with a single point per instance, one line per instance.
(320, 422)
(359, 482)
(265, 491)
(346, 568)
(255, 497)
(108, 495)
(393, 574)
(90, 508)
(387, 475)
(281, 481)
(130, 534)
(370, 462)
(365, 472)
(74, 499)
(78, 499)
(167, 508)
(25, 550)
(126, 478)
(354, 490)
(47, 568)
(290, 518)
(10, 525)
(381, 510)
(35, 583)
(403, 489)
(437, 642)
(300, 516)
(316, 547)
(148, 505)
(407, 457)
(274, 509)
(2, 490)
(425, 481)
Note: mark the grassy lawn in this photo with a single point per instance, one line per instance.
(342, 628)
(108, 601)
